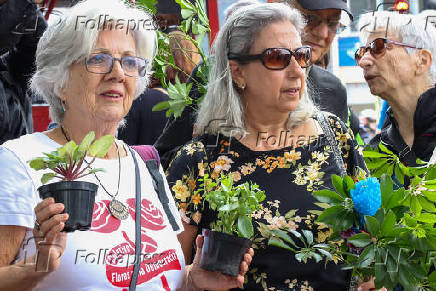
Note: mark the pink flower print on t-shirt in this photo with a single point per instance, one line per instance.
(102, 219)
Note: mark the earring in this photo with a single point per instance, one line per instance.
(63, 104)
(242, 86)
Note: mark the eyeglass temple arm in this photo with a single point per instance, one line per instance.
(244, 58)
(402, 44)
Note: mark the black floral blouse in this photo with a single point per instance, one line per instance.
(288, 176)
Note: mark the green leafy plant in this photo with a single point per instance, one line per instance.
(234, 204)
(195, 22)
(67, 162)
(387, 229)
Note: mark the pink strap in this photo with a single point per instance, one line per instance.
(147, 152)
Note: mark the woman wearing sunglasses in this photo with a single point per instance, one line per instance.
(258, 123)
(399, 67)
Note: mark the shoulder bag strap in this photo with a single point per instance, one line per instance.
(159, 186)
(322, 119)
(136, 268)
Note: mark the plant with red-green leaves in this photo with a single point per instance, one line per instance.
(67, 163)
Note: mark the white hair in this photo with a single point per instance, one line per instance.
(410, 29)
(222, 100)
(237, 5)
(75, 36)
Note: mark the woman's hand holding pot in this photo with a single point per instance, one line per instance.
(202, 279)
(50, 241)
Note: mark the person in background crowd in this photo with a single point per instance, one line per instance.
(399, 66)
(323, 22)
(90, 77)
(144, 126)
(368, 124)
(179, 130)
(258, 85)
(21, 25)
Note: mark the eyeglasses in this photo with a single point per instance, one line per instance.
(101, 63)
(278, 58)
(377, 48)
(334, 26)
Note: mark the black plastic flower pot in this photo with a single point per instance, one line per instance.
(223, 252)
(78, 198)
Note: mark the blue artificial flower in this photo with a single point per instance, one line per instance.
(366, 196)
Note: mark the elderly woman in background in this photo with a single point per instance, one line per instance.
(257, 90)
(398, 65)
(90, 75)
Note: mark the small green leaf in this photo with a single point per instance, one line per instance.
(47, 177)
(395, 199)
(245, 227)
(38, 164)
(66, 151)
(388, 223)
(284, 236)
(101, 146)
(386, 188)
(426, 205)
(279, 243)
(327, 196)
(432, 278)
(360, 240)
(330, 215)
(348, 184)
(92, 171)
(415, 206)
(367, 257)
(427, 218)
(383, 148)
(85, 144)
(372, 225)
(372, 154)
(339, 186)
(161, 106)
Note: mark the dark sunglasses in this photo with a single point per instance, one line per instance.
(101, 63)
(377, 48)
(277, 58)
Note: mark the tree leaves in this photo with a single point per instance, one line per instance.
(360, 240)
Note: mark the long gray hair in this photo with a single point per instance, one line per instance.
(222, 100)
(74, 37)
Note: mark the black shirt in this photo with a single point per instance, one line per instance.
(143, 126)
(288, 176)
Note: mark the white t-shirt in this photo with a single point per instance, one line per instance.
(103, 257)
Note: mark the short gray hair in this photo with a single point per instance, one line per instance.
(71, 40)
(222, 100)
(410, 29)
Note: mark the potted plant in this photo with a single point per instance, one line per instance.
(226, 243)
(67, 164)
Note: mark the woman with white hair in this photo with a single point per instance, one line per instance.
(90, 67)
(398, 65)
(257, 123)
